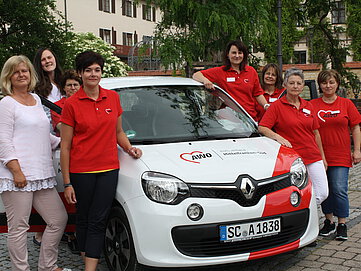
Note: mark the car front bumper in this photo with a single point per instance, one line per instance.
(165, 237)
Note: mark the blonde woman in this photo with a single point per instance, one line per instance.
(27, 177)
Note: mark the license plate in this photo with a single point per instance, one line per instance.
(246, 231)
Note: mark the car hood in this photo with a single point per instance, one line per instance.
(216, 161)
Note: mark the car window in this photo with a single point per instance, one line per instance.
(181, 113)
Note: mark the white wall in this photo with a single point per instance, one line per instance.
(86, 17)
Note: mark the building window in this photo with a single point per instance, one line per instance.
(129, 8)
(129, 39)
(147, 12)
(147, 39)
(299, 57)
(105, 35)
(107, 5)
(338, 13)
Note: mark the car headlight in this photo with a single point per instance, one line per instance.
(299, 176)
(164, 188)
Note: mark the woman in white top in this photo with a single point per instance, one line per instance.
(49, 73)
(27, 177)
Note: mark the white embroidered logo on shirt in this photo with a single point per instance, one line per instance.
(327, 114)
(108, 110)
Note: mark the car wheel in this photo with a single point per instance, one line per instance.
(119, 249)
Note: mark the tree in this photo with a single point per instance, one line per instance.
(87, 41)
(28, 25)
(327, 46)
(193, 30)
(292, 17)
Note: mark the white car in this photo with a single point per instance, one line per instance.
(208, 188)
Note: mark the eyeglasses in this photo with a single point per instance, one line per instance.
(72, 85)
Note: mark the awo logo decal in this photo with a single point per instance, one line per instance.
(195, 156)
(323, 114)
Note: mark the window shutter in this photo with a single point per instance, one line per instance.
(135, 38)
(114, 36)
(153, 9)
(124, 38)
(144, 11)
(100, 2)
(113, 6)
(123, 7)
(101, 33)
(134, 10)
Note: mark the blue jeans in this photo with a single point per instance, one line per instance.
(337, 202)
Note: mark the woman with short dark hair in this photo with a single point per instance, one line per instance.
(91, 129)
(69, 84)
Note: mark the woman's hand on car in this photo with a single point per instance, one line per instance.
(69, 195)
(135, 152)
(208, 84)
(283, 141)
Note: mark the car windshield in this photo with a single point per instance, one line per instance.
(163, 114)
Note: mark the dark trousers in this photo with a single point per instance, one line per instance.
(94, 193)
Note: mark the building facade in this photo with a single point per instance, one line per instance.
(122, 23)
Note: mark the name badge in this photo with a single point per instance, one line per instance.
(304, 110)
(271, 100)
(231, 79)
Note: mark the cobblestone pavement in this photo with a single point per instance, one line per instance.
(329, 254)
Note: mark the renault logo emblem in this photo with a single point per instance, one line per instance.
(247, 188)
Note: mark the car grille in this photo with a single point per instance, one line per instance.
(204, 240)
(233, 191)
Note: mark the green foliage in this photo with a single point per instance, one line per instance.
(326, 43)
(292, 12)
(193, 30)
(87, 41)
(28, 25)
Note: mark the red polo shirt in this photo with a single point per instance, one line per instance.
(335, 119)
(243, 86)
(295, 125)
(94, 144)
(270, 99)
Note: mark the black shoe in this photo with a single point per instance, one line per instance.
(328, 228)
(341, 232)
(36, 242)
(73, 246)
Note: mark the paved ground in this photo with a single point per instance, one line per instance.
(327, 255)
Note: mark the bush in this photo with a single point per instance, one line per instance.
(88, 41)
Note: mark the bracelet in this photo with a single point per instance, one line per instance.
(266, 105)
(67, 185)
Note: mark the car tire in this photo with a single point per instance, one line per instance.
(119, 249)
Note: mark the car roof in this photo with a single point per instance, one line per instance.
(139, 81)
